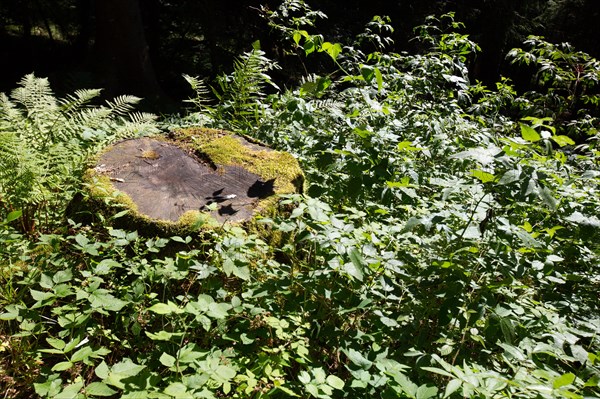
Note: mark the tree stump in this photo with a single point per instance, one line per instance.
(193, 176)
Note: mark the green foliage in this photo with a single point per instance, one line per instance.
(445, 248)
(45, 143)
(240, 93)
(568, 86)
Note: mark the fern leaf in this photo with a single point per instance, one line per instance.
(124, 104)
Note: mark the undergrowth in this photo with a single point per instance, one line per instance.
(445, 247)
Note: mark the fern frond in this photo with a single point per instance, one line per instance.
(241, 92)
(142, 117)
(202, 91)
(73, 102)
(93, 117)
(44, 144)
(34, 94)
(124, 104)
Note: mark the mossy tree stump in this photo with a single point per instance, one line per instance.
(193, 176)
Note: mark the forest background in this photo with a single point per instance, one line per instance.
(143, 47)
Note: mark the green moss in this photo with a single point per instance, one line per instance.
(226, 149)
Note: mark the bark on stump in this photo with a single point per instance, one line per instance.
(193, 175)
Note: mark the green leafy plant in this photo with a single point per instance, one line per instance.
(45, 143)
(567, 80)
(445, 248)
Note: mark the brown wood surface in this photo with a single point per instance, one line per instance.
(165, 181)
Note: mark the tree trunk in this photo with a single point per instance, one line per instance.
(122, 53)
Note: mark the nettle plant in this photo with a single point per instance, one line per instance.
(45, 143)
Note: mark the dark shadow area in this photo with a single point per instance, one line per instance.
(261, 189)
(227, 210)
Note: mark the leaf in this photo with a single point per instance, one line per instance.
(81, 354)
(367, 72)
(175, 389)
(333, 49)
(548, 198)
(510, 176)
(226, 373)
(99, 389)
(335, 382)
(304, 377)
(358, 359)
(127, 368)
(62, 276)
(426, 392)
(297, 36)
(167, 360)
(162, 335)
(71, 391)
(218, 310)
(379, 78)
(40, 295)
(81, 240)
(579, 218)
(484, 177)
(529, 134)
(106, 301)
(563, 140)
(565, 379)
(62, 366)
(105, 266)
(452, 387)
(165, 308)
(14, 215)
(358, 262)
(56, 343)
(102, 370)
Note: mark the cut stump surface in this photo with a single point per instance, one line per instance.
(165, 180)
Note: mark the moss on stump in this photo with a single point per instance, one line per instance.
(192, 178)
